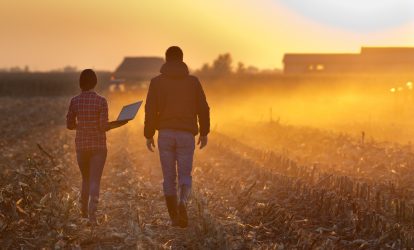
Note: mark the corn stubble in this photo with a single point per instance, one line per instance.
(244, 197)
(281, 204)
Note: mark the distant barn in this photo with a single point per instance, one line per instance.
(369, 61)
(134, 69)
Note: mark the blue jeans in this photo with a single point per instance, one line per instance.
(91, 164)
(176, 150)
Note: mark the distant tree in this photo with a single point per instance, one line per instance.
(241, 69)
(15, 69)
(205, 69)
(271, 71)
(252, 70)
(70, 69)
(221, 66)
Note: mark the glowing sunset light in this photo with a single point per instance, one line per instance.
(99, 34)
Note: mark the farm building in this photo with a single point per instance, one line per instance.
(138, 68)
(398, 60)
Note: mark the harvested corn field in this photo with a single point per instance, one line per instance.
(290, 192)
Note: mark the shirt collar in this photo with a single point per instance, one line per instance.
(88, 91)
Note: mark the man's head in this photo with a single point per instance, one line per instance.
(174, 54)
(87, 80)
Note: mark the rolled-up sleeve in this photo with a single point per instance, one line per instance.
(71, 116)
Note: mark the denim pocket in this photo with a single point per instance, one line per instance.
(186, 139)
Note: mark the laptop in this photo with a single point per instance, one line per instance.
(129, 112)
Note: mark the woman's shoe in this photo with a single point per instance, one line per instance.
(92, 220)
(84, 210)
(93, 206)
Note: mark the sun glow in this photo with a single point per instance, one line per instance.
(98, 34)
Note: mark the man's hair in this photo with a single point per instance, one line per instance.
(174, 53)
(87, 79)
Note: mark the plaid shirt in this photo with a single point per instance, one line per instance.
(88, 114)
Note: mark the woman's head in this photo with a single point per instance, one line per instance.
(87, 80)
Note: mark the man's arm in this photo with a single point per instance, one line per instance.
(151, 110)
(203, 113)
(71, 117)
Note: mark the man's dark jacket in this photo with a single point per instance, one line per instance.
(175, 100)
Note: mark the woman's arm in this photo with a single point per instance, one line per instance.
(71, 117)
(116, 124)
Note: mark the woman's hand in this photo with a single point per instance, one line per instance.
(116, 124)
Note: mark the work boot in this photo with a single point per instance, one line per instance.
(93, 206)
(182, 215)
(171, 201)
(182, 206)
(185, 192)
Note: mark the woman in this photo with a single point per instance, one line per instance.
(88, 115)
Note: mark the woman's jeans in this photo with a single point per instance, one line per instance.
(176, 150)
(91, 164)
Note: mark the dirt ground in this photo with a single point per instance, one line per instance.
(268, 192)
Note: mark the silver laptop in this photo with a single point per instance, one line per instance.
(129, 112)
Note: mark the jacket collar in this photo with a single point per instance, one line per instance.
(174, 69)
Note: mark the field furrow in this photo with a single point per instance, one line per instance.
(245, 195)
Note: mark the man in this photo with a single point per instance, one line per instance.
(175, 102)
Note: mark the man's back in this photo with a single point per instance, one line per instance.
(175, 100)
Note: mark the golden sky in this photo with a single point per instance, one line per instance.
(46, 34)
